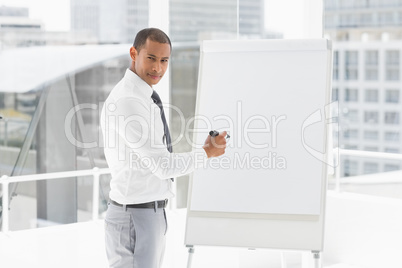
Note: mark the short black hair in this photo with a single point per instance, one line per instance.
(153, 34)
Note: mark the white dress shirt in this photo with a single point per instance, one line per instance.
(140, 164)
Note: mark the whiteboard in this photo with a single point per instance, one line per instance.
(271, 97)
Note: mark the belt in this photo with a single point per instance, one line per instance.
(161, 204)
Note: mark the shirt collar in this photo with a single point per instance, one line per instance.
(145, 90)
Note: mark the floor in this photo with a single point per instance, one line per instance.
(82, 245)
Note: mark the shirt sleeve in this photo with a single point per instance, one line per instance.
(136, 126)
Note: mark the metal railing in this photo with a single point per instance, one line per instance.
(95, 173)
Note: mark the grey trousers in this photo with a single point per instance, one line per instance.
(135, 237)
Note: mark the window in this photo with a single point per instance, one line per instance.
(391, 167)
(370, 167)
(391, 136)
(346, 4)
(330, 21)
(391, 118)
(371, 95)
(335, 136)
(351, 58)
(366, 19)
(353, 116)
(189, 23)
(392, 96)
(371, 58)
(348, 19)
(370, 135)
(391, 150)
(360, 3)
(371, 65)
(330, 4)
(367, 71)
(351, 65)
(336, 66)
(371, 73)
(350, 167)
(392, 65)
(386, 18)
(371, 117)
(392, 74)
(335, 94)
(350, 147)
(351, 95)
(351, 134)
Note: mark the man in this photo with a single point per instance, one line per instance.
(138, 152)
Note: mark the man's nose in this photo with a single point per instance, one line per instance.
(157, 67)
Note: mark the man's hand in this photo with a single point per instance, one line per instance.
(215, 146)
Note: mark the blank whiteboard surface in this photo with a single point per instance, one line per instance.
(270, 95)
(270, 88)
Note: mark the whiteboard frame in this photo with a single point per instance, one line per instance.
(252, 230)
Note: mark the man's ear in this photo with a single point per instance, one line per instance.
(133, 53)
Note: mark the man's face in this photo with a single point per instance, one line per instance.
(151, 62)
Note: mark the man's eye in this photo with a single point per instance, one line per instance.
(150, 58)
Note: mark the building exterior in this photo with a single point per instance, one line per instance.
(18, 30)
(15, 25)
(366, 82)
(119, 21)
(197, 20)
(109, 21)
(6, 11)
(251, 18)
(367, 39)
(367, 19)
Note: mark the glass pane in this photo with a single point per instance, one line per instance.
(190, 23)
(392, 95)
(366, 36)
(53, 101)
(371, 95)
(351, 95)
(17, 110)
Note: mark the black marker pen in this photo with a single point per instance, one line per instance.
(214, 133)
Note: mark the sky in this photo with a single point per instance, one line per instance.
(284, 16)
(56, 14)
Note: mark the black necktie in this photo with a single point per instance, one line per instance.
(166, 136)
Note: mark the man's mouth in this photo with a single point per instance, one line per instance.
(154, 76)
